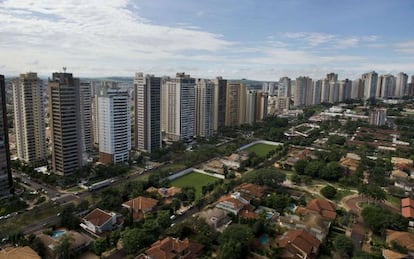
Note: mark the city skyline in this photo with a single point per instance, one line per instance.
(233, 39)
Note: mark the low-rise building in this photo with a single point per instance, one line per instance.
(322, 207)
(215, 218)
(407, 210)
(298, 244)
(99, 221)
(232, 203)
(140, 206)
(24, 252)
(172, 248)
(78, 241)
(313, 223)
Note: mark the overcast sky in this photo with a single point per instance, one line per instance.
(255, 39)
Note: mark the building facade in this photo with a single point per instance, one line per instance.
(86, 118)
(235, 104)
(219, 106)
(303, 91)
(29, 119)
(178, 107)
(204, 108)
(65, 123)
(114, 126)
(147, 123)
(6, 180)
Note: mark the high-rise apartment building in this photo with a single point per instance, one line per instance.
(378, 117)
(251, 103)
(284, 87)
(204, 108)
(271, 88)
(86, 118)
(332, 77)
(370, 84)
(316, 92)
(357, 91)
(29, 119)
(147, 127)
(178, 107)
(219, 106)
(235, 104)
(262, 102)
(6, 180)
(65, 123)
(401, 88)
(114, 126)
(345, 90)
(325, 91)
(333, 92)
(303, 91)
(386, 86)
(410, 89)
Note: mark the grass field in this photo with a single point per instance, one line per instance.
(195, 180)
(260, 149)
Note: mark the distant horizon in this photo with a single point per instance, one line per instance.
(262, 40)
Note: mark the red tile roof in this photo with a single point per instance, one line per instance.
(141, 203)
(407, 202)
(252, 189)
(325, 208)
(407, 212)
(170, 248)
(98, 217)
(402, 238)
(296, 242)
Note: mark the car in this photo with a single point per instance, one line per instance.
(172, 217)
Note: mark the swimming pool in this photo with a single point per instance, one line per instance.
(264, 239)
(58, 233)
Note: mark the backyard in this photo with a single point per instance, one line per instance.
(261, 149)
(195, 180)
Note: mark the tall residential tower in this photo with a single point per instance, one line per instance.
(6, 180)
(29, 119)
(147, 128)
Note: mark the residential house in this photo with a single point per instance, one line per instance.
(79, 242)
(234, 160)
(232, 203)
(404, 239)
(99, 221)
(215, 218)
(322, 207)
(251, 190)
(402, 180)
(24, 252)
(312, 223)
(407, 210)
(298, 244)
(140, 206)
(173, 248)
(350, 162)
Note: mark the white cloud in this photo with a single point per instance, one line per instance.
(406, 47)
(61, 32)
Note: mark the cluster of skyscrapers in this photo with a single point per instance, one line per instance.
(331, 90)
(84, 116)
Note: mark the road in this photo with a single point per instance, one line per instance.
(30, 183)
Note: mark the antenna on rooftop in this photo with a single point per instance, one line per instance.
(64, 69)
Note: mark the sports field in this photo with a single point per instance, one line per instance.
(195, 180)
(261, 149)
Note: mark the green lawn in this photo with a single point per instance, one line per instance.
(195, 180)
(260, 149)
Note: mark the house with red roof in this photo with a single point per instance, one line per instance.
(322, 207)
(172, 248)
(298, 244)
(140, 206)
(99, 221)
(407, 210)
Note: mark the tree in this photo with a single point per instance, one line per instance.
(163, 218)
(134, 240)
(300, 166)
(336, 140)
(313, 168)
(269, 177)
(379, 219)
(67, 219)
(62, 250)
(331, 172)
(329, 191)
(100, 245)
(235, 241)
(344, 246)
